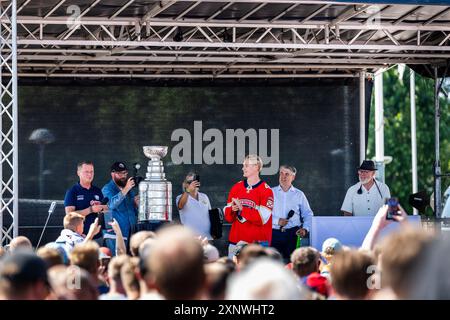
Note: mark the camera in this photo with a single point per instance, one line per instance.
(393, 208)
(137, 179)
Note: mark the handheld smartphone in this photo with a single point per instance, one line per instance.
(101, 214)
(196, 177)
(393, 208)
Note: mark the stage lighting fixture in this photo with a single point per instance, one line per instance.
(420, 201)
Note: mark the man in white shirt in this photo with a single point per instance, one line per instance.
(291, 215)
(367, 196)
(72, 234)
(194, 207)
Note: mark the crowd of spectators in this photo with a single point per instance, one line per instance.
(174, 263)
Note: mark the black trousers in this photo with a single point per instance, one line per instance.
(285, 242)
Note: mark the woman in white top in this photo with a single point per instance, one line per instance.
(194, 207)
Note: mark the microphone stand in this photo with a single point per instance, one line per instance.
(50, 211)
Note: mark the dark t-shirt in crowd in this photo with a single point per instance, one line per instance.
(81, 198)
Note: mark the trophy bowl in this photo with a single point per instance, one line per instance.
(155, 152)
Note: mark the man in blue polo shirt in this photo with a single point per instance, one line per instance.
(123, 203)
(85, 198)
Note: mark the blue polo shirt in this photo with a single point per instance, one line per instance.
(81, 198)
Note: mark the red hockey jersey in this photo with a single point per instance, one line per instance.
(257, 204)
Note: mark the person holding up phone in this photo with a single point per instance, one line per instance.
(391, 212)
(123, 204)
(194, 206)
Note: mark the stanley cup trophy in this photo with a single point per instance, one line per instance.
(155, 192)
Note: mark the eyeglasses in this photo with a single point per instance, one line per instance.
(364, 171)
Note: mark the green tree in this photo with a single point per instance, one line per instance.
(397, 134)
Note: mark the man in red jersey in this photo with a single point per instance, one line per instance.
(249, 207)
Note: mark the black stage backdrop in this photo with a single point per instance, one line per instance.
(314, 123)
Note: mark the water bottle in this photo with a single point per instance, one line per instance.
(299, 242)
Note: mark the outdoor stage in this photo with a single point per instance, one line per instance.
(107, 77)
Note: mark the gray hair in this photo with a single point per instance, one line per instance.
(290, 168)
(264, 279)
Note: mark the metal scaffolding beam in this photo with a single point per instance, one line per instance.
(9, 216)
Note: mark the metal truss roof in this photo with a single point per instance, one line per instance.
(225, 39)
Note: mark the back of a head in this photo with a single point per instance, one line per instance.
(431, 278)
(128, 275)
(137, 239)
(210, 253)
(251, 253)
(228, 263)
(115, 266)
(145, 250)
(305, 260)
(59, 247)
(176, 263)
(20, 242)
(72, 283)
(23, 275)
(264, 279)
(72, 220)
(51, 256)
(86, 256)
(350, 273)
(274, 254)
(401, 252)
(216, 278)
(57, 280)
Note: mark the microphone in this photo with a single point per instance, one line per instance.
(50, 211)
(359, 190)
(52, 207)
(290, 214)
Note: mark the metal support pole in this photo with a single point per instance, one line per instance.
(3, 234)
(437, 164)
(15, 143)
(412, 93)
(379, 126)
(362, 116)
(8, 122)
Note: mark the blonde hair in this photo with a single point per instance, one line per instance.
(51, 256)
(72, 220)
(85, 256)
(254, 159)
(116, 265)
(128, 276)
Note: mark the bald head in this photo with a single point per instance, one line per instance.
(137, 239)
(20, 242)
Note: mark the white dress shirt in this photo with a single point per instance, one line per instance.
(368, 202)
(293, 199)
